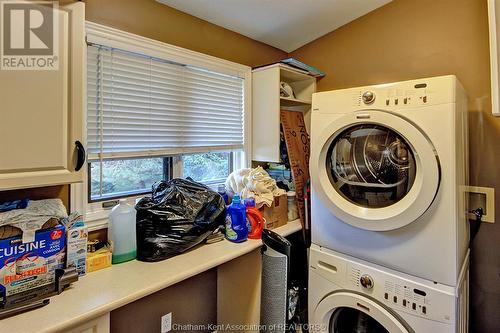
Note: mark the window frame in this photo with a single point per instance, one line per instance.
(95, 215)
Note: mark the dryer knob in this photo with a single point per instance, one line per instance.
(368, 97)
(366, 281)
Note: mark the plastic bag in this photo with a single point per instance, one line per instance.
(179, 215)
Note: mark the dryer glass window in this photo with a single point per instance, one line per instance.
(371, 165)
(347, 320)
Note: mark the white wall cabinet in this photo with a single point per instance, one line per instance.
(42, 113)
(267, 103)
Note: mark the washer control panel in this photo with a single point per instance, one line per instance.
(401, 295)
(398, 293)
(393, 289)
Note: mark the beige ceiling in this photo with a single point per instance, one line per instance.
(285, 24)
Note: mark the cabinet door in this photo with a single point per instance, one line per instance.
(41, 113)
(266, 115)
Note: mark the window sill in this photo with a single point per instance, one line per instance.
(94, 225)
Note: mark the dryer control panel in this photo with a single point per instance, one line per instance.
(395, 290)
(397, 96)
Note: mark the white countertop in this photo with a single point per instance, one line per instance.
(105, 290)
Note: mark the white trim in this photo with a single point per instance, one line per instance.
(96, 217)
(247, 109)
(493, 57)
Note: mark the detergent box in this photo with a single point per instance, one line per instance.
(76, 249)
(28, 265)
(32, 245)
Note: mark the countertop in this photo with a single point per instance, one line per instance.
(105, 290)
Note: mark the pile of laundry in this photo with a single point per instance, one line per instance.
(254, 183)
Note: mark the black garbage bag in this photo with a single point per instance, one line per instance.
(180, 214)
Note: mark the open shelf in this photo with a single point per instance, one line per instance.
(287, 101)
(267, 104)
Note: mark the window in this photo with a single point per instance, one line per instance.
(208, 168)
(111, 179)
(156, 111)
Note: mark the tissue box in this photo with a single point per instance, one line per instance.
(24, 266)
(276, 215)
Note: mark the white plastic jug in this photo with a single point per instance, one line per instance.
(121, 232)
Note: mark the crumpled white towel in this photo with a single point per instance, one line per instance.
(254, 183)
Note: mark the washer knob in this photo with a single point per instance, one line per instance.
(366, 281)
(368, 97)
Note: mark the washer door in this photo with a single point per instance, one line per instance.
(375, 170)
(346, 311)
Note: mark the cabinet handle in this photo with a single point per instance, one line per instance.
(80, 154)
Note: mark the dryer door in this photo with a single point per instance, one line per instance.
(375, 170)
(345, 311)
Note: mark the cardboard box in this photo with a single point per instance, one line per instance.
(99, 259)
(276, 215)
(24, 266)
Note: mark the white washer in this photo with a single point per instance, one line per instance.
(350, 295)
(388, 165)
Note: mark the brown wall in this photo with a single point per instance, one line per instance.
(154, 20)
(190, 302)
(409, 39)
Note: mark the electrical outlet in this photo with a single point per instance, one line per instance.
(166, 323)
(482, 197)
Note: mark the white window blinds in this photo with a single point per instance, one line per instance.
(143, 106)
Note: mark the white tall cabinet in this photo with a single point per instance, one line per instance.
(42, 114)
(267, 103)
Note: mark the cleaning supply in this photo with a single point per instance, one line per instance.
(121, 232)
(222, 191)
(255, 219)
(236, 227)
(76, 242)
(249, 202)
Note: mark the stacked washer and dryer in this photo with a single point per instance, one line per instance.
(388, 212)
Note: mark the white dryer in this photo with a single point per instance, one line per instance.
(388, 165)
(350, 295)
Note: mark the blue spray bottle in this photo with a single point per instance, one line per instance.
(236, 221)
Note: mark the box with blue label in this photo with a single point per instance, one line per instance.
(32, 246)
(25, 266)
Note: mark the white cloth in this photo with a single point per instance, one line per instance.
(254, 183)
